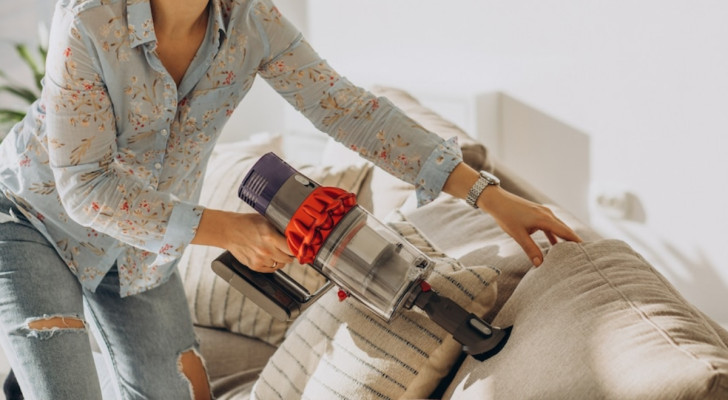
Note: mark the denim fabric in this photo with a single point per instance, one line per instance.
(142, 336)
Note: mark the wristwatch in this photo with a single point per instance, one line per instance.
(486, 179)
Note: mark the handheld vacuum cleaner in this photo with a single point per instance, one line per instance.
(326, 229)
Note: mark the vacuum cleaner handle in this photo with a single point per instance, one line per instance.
(276, 293)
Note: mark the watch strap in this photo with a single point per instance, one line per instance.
(477, 189)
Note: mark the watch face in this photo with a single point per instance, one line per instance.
(492, 179)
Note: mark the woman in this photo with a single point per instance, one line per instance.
(100, 183)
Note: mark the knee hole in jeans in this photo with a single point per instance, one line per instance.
(58, 322)
(190, 364)
(48, 326)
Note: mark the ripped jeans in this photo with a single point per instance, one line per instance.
(45, 316)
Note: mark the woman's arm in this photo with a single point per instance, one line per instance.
(518, 217)
(369, 125)
(380, 132)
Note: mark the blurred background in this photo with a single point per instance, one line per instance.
(617, 110)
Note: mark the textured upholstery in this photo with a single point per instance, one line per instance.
(597, 321)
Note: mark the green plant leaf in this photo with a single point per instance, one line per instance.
(35, 67)
(7, 115)
(24, 93)
(43, 52)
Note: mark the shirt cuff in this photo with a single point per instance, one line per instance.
(180, 231)
(436, 169)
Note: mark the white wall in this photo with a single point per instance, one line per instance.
(644, 80)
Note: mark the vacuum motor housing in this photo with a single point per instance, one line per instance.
(327, 229)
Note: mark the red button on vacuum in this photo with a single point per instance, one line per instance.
(342, 295)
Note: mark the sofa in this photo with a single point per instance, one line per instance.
(594, 321)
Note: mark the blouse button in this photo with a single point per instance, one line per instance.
(158, 166)
(164, 132)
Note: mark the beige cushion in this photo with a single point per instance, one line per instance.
(597, 321)
(213, 303)
(342, 350)
(233, 361)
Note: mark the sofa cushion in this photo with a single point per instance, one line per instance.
(597, 321)
(213, 302)
(342, 350)
(235, 361)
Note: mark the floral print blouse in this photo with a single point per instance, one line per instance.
(108, 163)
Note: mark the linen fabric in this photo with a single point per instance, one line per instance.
(595, 320)
(212, 301)
(108, 163)
(343, 350)
(238, 360)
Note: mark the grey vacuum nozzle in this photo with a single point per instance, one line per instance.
(479, 339)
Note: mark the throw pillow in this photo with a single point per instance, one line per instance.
(342, 350)
(597, 321)
(213, 302)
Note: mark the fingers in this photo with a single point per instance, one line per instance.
(520, 218)
(260, 246)
(265, 253)
(552, 227)
(281, 253)
(266, 259)
(282, 249)
(265, 262)
(560, 229)
(552, 239)
(530, 248)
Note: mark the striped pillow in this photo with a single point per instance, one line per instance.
(212, 301)
(342, 350)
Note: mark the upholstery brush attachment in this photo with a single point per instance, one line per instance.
(479, 339)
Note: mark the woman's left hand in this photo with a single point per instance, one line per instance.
(517, 216)
(520, 218)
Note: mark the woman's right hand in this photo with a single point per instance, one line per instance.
(250, 238)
